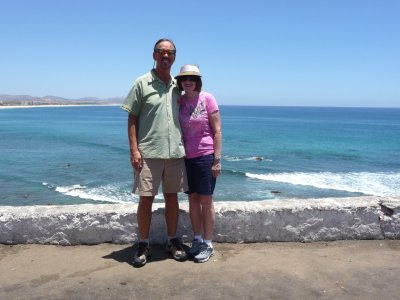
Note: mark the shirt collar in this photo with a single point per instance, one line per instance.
(171, 82)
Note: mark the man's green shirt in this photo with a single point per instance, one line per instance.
(156, 107)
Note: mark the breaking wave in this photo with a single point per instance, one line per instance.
(106, 193)
(376, 184)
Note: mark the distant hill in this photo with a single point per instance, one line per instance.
(8, 100)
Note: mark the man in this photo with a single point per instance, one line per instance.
(156, 147)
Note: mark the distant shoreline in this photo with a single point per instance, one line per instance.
(54, 105)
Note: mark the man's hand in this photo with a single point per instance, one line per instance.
(136, 160)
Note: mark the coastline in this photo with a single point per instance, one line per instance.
(53, 105)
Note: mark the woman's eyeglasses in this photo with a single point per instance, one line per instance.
(164, 51)
(190, 78)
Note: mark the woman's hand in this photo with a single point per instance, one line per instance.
(216, 167)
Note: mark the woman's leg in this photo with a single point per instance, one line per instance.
(195, 213)
(208, 215)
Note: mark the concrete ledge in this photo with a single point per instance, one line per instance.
(259, 221)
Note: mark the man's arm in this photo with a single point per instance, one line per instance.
(136, 158)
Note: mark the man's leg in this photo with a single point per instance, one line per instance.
(144, 213)
(174, 181)
(171, 212)
(174, 245)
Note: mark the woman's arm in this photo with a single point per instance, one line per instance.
(217, 131)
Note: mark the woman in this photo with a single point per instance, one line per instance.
(201, 129)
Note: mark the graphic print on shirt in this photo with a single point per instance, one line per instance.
(195, 114)
(195, 111)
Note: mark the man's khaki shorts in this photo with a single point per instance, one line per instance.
(171, 172)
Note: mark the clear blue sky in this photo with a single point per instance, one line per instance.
(311, 52)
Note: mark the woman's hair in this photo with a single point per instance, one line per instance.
(199, 83)
(164, 40)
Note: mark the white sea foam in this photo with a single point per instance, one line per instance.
(109, 193)
(254, 158)
(232, 158)
(376, 184)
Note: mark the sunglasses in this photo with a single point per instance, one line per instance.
(164, 51)
(190, 78)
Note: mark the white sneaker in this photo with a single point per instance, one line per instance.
(205, 252)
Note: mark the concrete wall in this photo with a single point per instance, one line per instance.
(236, 222)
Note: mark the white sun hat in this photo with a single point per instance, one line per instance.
(189, 70)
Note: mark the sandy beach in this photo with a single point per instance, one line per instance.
(323, 270)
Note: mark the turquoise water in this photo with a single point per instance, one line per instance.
(73, 155)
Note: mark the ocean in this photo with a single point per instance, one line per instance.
(79, 154)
